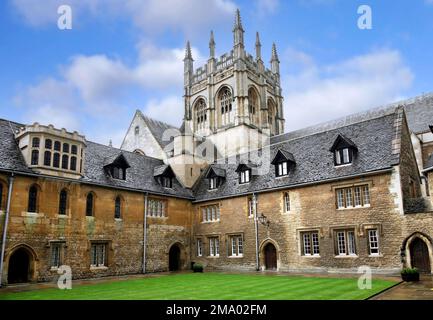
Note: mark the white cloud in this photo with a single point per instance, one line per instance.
(314, 93)
(267, 6)
(151, 15)
(169, 109)
(93, 93)
(50, 102)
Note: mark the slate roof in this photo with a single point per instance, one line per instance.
(139, 176)
(419, 114)
(157, 128)
(314, 161)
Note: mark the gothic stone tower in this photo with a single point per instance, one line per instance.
(234, 100)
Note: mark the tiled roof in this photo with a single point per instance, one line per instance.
(419, 114)
(157, 128)
(138, 177)
(314, 161)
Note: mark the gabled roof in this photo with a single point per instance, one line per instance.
(419, 112)
(214, 171)
(314, 163)
(157, 128)
(140, 177)
(163, 170)
(246, 165)
(117, 160)
(342, 140)
(282, 155)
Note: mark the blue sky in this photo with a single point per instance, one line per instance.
(126, 55)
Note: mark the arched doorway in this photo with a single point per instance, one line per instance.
(419, 255)
(270, 253)
(174, 258)
(19, 266)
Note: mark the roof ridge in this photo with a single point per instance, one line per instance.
(145, 117)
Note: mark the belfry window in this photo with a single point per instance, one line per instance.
(48, 144)
(47, 158)
(200, 114)
(226, 106)
(56, 160)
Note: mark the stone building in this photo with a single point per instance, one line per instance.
(228, 189)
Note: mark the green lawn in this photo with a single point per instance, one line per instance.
(212, 286)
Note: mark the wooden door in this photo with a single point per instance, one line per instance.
(419, 255)
(270, 257)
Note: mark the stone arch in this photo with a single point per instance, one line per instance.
(272, 115)
(263, 253)
(254, 105)
(407, 246)
(176, 256)
(20, 263)
(200, 114)
(38, 195)
(224, 105)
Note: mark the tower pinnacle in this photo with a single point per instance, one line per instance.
(212, 45)
(258, 47)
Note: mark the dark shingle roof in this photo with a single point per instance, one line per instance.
(419, 114)
(157, 128)
(314, 161)
(10, 154)
(138, 177)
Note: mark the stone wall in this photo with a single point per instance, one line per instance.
(312, 208)
(124, 237)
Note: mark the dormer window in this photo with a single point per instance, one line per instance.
(282, 161)
(282, 169)
(343, 156)
(164, 175)
(215, 176)
(245, 176)
(117, 167)
(344, 150)
(167, 182)
(213, 183)
(118, 173)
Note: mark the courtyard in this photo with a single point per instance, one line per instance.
(205, 286)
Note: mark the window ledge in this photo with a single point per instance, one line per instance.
(213, 257)
(54, 269)
(354, 208)
(375, 255)
(311, 256)
(102, 268)
(63, 216)
(118, 219)
(343, 165)
(236, 257)
(212, 190)
(280, 177)
(90, 218)
(32, 214)
(206, 222)
(350, 256)
(155, 217)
